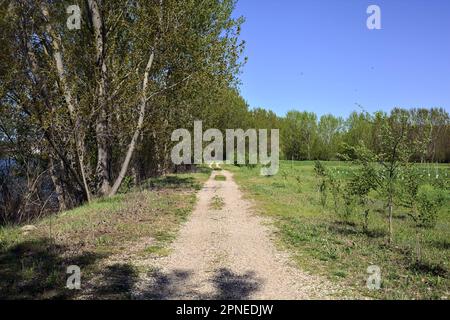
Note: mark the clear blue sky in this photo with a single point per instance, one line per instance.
(318, 55)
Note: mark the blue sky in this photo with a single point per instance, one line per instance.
(318, 55)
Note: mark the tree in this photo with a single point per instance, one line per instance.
(393, 156)
(299, 135)
(329, 136)
(95, 97)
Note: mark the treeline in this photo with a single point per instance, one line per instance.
(83, 111)
(305, 136)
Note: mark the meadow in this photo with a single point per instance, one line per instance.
(142, 221)
(322, 243)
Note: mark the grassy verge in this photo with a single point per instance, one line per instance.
(33, 263)
(220, 177)
(341, 251)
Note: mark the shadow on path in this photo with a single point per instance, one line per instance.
(176, 285)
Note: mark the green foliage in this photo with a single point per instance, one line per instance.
(82, 111)
(410, 181)
(348, 206)
(322, 184)
(127, 185)
(319, 169)
(335, 185)
(305, 137)
(285, 176)
(299, 135)
(298, 179)
(360, 186)
(429, 202)
(343, 199)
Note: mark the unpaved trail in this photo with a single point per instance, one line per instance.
(227, 253)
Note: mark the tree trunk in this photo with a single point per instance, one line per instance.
(366, 221)
(59, 188)
(137, 132)
(157, 155)
(102, 124)
(391, 231)
(79, 141)
(418, 247)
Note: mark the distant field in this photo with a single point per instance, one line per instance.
(321, 243)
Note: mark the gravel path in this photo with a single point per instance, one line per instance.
(227, 253)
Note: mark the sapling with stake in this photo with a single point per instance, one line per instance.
(321, 173)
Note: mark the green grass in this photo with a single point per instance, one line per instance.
(33, 265)
(216, 203)
(220, 178)
(323, 244)
(158, 250)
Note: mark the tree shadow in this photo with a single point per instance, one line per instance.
(203, 169)
(351, 229)
(37, 269)
(227, 286)
(401, 216)
(172, 182)
(115, 282)
(191, 168)
(376, 233)
(345, 223)
(441, 244)
(423, 267)
(167, 286)
(345, 229)
(231, 286)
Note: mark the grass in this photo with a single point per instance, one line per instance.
(220, 177)
(216, 203)
(321, 243)
(158, 250)
(33, 265)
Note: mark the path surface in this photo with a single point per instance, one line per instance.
(228, 253)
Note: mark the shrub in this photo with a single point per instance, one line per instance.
(321, 174)
(429, 202)
(349, 204)
(362, 182)
(335, 188)
(127, 184)
(319, 169)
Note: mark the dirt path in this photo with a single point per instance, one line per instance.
(227, 253)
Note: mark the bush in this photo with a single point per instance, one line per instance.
(319, 169)
(429, 202)
(322, 175)
(360, 185)
(348, 205)
(127, 184)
